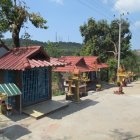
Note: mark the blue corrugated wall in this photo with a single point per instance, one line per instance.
(35, 85)
(9, 76)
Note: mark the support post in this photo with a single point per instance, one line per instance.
(20, 111)
(77, 98)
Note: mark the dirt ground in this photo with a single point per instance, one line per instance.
(100, 116)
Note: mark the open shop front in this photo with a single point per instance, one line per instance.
(10, 98)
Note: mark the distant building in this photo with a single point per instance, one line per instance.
(30, 69)
(89, 64)
(86, 64)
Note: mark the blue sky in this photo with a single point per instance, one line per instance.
(65, 17)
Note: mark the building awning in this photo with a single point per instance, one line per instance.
(9, 89)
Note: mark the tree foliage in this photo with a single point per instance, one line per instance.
(14, 15)
(58, 48)
(131, 62)
(52, 49)
(101, 38)
(112, 67)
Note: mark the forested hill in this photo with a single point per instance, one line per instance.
(9, 43)
(63, 48)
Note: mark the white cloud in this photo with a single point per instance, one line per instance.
(58, 1)
(127, 6)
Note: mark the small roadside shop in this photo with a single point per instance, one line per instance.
(10, 95)
(30, 69)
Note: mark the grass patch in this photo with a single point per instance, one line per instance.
(58, 93)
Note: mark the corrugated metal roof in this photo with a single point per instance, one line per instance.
(9, 89)
(83, 63)
(71, 69)
(70, 59)
(103, 65)
(25, 57)
(91, 60)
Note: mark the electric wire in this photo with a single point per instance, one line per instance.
(91, 7)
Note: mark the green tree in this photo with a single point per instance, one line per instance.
(112, 68)
(125, 38)
(101, 38)
(131, 62)
(95, 38)
(53, 49)
(14, 15)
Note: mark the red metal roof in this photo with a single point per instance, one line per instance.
(70, 59)
(83, 63)
(71, 69)
(91, 60)
(103, 65)
(72, 62)
(27, 57)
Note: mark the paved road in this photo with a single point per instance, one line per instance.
(100, 116)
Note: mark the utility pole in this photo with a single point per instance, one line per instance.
(119, 47)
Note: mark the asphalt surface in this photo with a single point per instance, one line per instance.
(99, 116)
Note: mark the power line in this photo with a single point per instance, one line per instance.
(88, 5)
(100, 6)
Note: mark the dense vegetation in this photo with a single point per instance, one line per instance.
(13, 16)
(102, 39)
(54, 49)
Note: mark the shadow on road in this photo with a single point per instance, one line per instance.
(72, 108)
(17, 117)
(108, 86)
(14, 132)
(119, 134)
